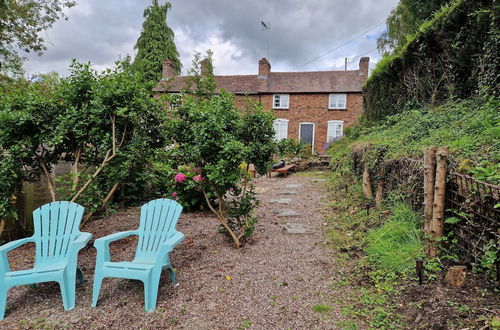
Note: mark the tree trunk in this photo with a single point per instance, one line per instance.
(429, 178)
(367, 183)
(50, 184)
(74, 169)
(437, 224)
(220, 216)
(103, 204)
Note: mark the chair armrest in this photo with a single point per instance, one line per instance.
(102, 241)
(4, 250)
(15, 244)
(102, 245)
(81, 241)
(171, 243)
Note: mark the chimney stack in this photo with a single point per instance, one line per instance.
(363, 66)
(168, 69)
(264, 68)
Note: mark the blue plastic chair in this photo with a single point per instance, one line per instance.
(157, 237)
(58, 239)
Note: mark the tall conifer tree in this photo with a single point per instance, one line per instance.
(156, 43)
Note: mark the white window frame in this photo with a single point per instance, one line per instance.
(277, 133)
(282, 104)
(329, 130)
(331, 105)
(314, 133)
(171, 106)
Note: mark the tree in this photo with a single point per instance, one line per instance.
(404, 20)
(106, 124)
(20, 27)
(155, 44)
(219, 141)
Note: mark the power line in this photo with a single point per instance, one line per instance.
(352, 58)
(339, 46)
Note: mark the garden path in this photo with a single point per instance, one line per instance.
(280, 279)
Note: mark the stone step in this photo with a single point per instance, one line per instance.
(287, 213)
(280, 201)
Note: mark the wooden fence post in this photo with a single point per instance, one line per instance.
(367, 183)
(429, 178)
(437, 223)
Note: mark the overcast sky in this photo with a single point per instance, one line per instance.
(100, 31)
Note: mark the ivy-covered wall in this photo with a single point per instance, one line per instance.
(453, 55)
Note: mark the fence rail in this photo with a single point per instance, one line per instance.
(473, 202)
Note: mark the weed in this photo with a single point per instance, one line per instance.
(321, 308)
(245, 324)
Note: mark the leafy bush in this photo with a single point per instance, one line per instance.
(184, 185)
(106, 122)
(212, 135)
(290, 148)
(395, 245)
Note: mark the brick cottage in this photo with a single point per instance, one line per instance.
(313, 106)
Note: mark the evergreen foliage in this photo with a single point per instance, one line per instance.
(453, 55)
(155, 44)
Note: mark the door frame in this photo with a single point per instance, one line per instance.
(313, 134)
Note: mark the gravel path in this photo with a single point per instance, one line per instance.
(273, 282)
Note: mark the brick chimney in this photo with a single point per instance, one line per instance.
(363, 66)
(168, 69)
(264, 68)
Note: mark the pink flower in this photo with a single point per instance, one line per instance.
(231, 190)
(198, 178)
(174, 194)
(180, 177)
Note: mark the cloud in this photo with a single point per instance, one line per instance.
(101, 31)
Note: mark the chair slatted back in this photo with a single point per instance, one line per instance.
(56, 225)
(158, 220)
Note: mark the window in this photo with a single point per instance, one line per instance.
(337, 101)
(280, 101)
(335, 130)
(174, 101)
(280, 129)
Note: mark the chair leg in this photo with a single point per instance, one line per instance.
(79, 276)
(68, 294)
(97, 288)
(172, 274)
(3, 300)
(151, 291)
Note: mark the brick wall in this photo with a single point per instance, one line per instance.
(312, 108)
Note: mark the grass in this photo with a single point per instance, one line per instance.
(365, 245)
(396, 244)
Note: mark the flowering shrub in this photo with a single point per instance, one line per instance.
(219, 141)
(180, 177)
(183, 185)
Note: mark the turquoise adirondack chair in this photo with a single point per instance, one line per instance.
(58, 239)
(157, 237)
